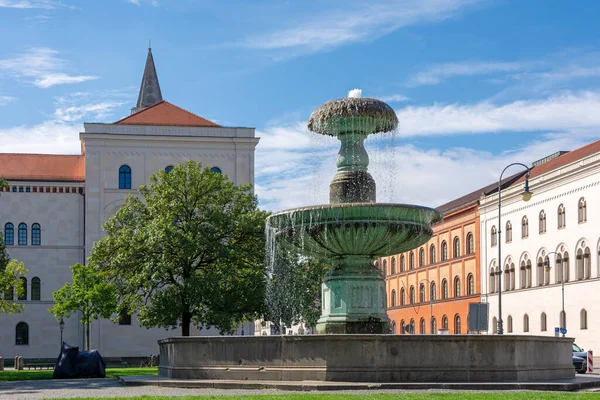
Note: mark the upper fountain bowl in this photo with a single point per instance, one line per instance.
(353, 115)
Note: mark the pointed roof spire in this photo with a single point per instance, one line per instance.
(150, 89)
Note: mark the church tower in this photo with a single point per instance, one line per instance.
(150, 93)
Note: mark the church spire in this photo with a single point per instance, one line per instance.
(150, 89)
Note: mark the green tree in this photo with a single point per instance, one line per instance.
(189, 251)
(89, 294)
(294, 288)
(3, 183)
(10, 284)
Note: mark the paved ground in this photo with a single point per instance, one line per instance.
(48, 389)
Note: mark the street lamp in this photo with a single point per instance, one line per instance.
(526, 195)
(62, 327)
(562, 283)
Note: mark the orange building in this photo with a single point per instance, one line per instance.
(429, 288)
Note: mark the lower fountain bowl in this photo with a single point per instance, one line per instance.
(355, 229)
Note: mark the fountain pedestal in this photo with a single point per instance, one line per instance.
(354, 300)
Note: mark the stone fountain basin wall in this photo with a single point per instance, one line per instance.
(368, 358)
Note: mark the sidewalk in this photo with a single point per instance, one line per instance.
(579, 382)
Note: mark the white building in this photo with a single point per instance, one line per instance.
(557, 227)
(53, 211)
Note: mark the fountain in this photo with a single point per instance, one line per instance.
(353, 229)
(354, 344)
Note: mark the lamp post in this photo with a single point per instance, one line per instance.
(430, 301)
(61, 324)
(562, 284)
(526, 195)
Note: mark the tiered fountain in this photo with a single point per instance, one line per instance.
(355, 344)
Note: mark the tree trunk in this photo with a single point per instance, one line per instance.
(186, 320)
(87, 336)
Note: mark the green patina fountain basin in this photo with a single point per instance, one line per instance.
(353, 229)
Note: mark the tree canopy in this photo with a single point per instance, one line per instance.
(87, 293)
(188, 250)
(10, 284)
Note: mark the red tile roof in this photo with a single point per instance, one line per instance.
(165, 113)
(42, 167)
(563, 160)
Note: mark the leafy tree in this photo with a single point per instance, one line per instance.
(3, 183)
(10, 284)
(89, 294)
(294, 290)
(190, 251)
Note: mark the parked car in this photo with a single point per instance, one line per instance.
(579, 359)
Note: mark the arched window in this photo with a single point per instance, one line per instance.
(562, 218)
(432, 294)
(509, 325)
(169, 169)
(412, 295)
(494, 325)
(522, 276)
(582, 211)
(411, 262)
(493, 237)
(542, 222)
(587, 263)
(493, 277)
(394, 327)
(422, 293)
(445, 323)
(470, 285)
(36, 235)
(402, 326)
(124, 318)
(124, 177)
(402, 263)
(508, 234)
(383, 269)
(470, 244)
(36, 289)
(384, 266)
(22, 234)
(23, 284)
(422, 326)
(22, 334)
(444, 289)
(9, 234)
(444, 251)
(524, 227)
(216, 170)
(456, 286)
(402, 297)
(456, 247)
(393, 265)
(543, 322)
(412, 325)
(433, 326)
(421, 257)
(583, 319)
(525, 323)
(432, 254)
(457, 324)
(394, 298)
(563, 319)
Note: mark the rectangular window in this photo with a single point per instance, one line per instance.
(27, 189)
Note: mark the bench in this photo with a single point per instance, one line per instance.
(40, 366)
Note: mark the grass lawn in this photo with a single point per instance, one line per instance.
(27, 375)
(403, 396)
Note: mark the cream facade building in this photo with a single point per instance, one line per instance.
(54, 208)
(558, 228)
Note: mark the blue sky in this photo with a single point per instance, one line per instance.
(476, 84)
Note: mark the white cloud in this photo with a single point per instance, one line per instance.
(136, 2)
(49, 137)
(560, 112)
(41, 67)
(356, 21)
(393, 98)
(355, 93)
(4, 100)
(437, 73)
(98, 111)
(45, 4)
